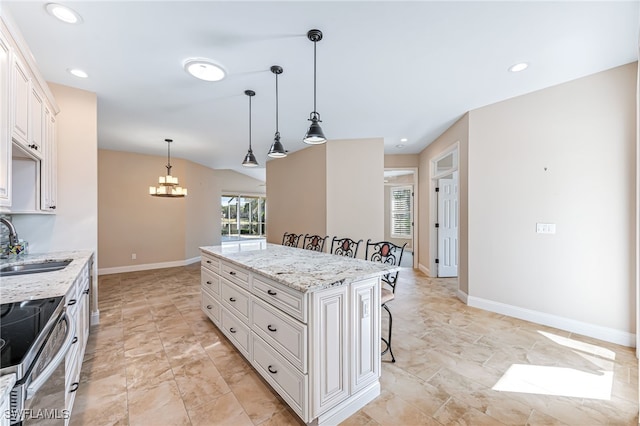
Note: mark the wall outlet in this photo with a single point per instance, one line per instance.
(545, 228)
(134, 256)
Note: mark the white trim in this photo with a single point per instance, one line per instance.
(147, 266)
(346, 409)
(462, 296)
(591, 330)
(95, 318)
(424, 269)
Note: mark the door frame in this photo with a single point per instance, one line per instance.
(434, 175)
(414, 207)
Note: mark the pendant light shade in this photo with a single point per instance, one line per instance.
(314, 135)
(250, 159)
(277, 150)
(168, 185)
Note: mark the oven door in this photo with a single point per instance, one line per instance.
(45, 393)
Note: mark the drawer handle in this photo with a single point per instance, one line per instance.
(86, 291)
(74, 387)
(271, 292)
(75, 340)
(271, 370)
(232, 299)
(209, 282)
(233, 330)
(208, 261)
(231, 273)
(271, 328)
(209, 306)
(72, 302)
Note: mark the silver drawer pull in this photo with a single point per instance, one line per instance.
(209, 307)
(231, 273)
(74, 387)
(271, 328)
(75, 340)
(208, 261)
(271, 370)
(232, 299)
(72, 302)
(271, 292)
(209, 282)
(233, 330)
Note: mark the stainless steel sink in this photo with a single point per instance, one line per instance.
(34, 268)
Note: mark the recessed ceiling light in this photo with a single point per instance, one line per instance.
(400, 145)
(519, 67)
(63, 13)
(404, 140)
(204, 69)
(78, 73)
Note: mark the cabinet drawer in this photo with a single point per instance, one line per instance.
(210, 262)
(286, 335)
(210, 281)
(284, 298)
(235, 274)
(210, 306)
(236, 331)
(235, 299)
(290, 384)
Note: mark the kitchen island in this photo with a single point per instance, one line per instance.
(308, 322)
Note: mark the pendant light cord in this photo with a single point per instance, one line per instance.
(168, 157)
(249, 123)
(277, 103)
(314, 77)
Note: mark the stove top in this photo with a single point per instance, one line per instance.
(24, 326)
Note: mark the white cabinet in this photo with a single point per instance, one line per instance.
(319, 350)
(5, 133)
(36, 116)
(77, 306)
(20, 102)
(49, 169)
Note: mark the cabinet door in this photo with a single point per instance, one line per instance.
(330, 363)
(36, 132)
(365, 338)
(20, 117)
(49, 173)
(5, 136)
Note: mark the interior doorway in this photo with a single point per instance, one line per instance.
(400, 186)
(444, 214)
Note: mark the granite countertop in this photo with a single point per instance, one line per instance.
(45, 284)
(302, 270)
(6, 384)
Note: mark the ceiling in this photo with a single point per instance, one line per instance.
(384, 69)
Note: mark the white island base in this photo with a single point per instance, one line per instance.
(308, 322)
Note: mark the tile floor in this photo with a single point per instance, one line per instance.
(155, 359)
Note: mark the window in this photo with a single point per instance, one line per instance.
(243, 215)
(401, 221)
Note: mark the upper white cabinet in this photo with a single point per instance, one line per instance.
(5, 137)
(28, 161)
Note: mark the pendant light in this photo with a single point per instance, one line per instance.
(168, 185)
(250, 159)
(277, 150)
(314, 135)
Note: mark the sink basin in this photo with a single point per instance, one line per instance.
(34, 268)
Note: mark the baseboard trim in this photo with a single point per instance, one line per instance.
(591, 330)
(463, 297)
(424, 269)
(95, 318)
(147, 266)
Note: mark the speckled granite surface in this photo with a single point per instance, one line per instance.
(302, 270)
(41, 285)
(6, 384)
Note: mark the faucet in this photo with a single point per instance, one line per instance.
(13, 235)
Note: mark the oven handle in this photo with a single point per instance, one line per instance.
(33, 388)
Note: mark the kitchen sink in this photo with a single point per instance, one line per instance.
(34, 268)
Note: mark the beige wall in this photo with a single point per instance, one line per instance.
(398, 161)
(457, 133)
(296, 193)
(355, 190)
(330, 189)
(160, 231)
(562, 155)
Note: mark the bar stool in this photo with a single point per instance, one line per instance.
(345, 247)
(314, 242)
(291, 240)
(391, 254)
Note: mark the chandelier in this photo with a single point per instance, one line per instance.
(168, 185)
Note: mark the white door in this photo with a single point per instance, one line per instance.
(448, 228)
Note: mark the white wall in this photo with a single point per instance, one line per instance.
(563, 155)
